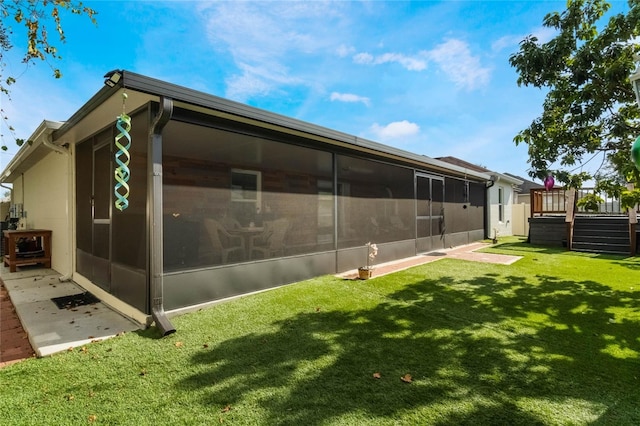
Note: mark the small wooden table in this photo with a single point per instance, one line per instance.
(247, 233)
(42, 238)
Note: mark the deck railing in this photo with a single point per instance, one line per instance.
(554, 202)
(563, 202)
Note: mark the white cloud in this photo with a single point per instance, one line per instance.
(241, 87)
(262, 37)
(455, 59)
(266, 29)
(257, 81)
(411, 64)
(543, 34)
(344, 51)
(509, 41)
(349, 97)
(395, 130)
(363, 58)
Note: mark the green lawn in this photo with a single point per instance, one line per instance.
(550, 339)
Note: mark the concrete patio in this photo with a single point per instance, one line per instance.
(51, 329)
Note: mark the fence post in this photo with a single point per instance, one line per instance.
(570, 206)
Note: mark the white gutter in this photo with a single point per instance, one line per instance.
(45, 128)
(43, 135)
(506, 178)
(47, 141)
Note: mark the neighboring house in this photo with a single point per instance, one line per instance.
(226, 199)
(501, 196)
(522, 205)
(523, 191)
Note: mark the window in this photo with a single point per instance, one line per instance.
(245, 194)
(501, 204)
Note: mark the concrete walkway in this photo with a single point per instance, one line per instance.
(466, 252)
(52, 329)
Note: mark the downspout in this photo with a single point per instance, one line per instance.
(487, 207)
(154, 191)
(47, 141)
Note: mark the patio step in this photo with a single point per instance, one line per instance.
(601, 234)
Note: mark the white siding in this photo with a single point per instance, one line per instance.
(504, 227)
(44, 191)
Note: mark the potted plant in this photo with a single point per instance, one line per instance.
(364, 272)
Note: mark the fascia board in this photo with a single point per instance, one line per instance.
(508, 179)
(29, 153)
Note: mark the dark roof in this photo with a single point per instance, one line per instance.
(189, 97)
(462, 163)
(514, 180)
(527, 184)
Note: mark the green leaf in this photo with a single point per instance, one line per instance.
(34, 17)
(590, 108)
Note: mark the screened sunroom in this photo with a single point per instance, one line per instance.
(226, 199)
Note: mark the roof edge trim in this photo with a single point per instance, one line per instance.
(137, 82)
(44, 130)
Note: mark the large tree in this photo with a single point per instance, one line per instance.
(30, 22)
(590, 107)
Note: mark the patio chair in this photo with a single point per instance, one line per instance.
(223, 242)
(272, 241)
(230, 223)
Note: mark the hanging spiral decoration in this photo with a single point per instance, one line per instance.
(122, 158)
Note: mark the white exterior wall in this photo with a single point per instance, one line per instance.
(44, 190)
(17, 196)
(521, 215)
(504, 227)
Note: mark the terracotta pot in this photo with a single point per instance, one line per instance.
(364, 273)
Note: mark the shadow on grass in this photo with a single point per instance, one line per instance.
(485, 350)
(152, 333)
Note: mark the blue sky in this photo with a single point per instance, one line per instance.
(432, 78)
